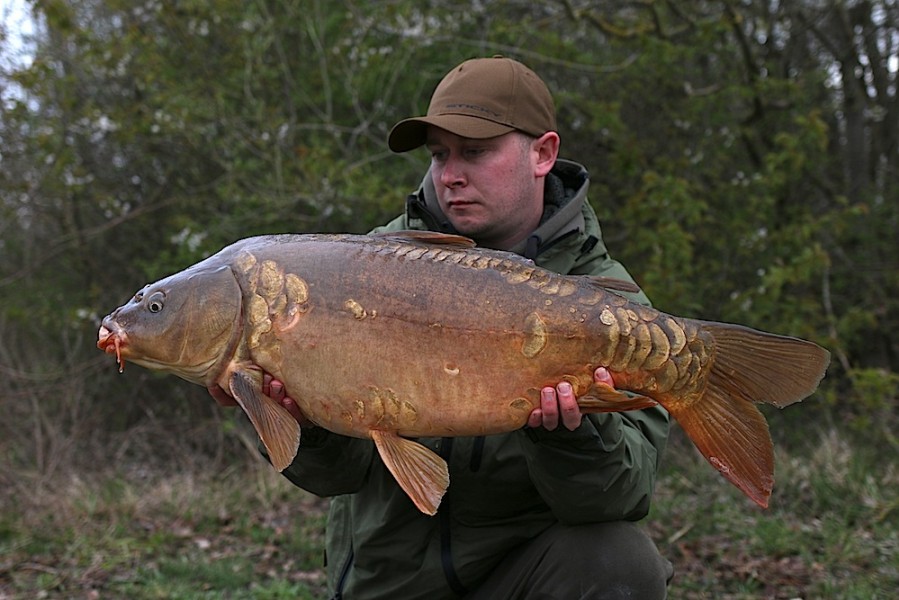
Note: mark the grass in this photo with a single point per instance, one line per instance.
(832, 531)
(242, 534)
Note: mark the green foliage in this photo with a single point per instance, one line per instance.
(666, 207)
(870, 405)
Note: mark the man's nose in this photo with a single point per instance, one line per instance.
(452, 175)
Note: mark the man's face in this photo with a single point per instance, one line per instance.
(490, 189)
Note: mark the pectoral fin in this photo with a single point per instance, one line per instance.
(601, 398)
(277, 429)
(422, 474)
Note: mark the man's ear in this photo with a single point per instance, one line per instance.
(546, 149)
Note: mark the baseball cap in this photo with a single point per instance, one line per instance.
(482, 98)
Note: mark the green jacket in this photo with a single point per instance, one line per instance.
(505, 489)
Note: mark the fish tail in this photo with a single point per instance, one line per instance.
(749, 367)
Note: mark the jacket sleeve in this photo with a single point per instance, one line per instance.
(604, 470)
(398, 224)
(329, 464)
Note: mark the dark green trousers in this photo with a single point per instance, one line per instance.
(599, 561)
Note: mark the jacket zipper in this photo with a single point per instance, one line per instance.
(344, 574)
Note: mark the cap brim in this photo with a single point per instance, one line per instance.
(409, 134)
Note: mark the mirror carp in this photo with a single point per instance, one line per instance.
(420, 334)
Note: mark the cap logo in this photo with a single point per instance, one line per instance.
(473, 107)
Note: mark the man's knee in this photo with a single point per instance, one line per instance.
(612, 560)
(599, 561)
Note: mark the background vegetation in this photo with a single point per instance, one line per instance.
(744, 163)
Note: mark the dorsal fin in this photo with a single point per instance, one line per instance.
(611, 283)
(432, 238)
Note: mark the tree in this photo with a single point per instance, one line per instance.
(743, 159)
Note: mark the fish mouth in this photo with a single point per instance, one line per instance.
(111, 339)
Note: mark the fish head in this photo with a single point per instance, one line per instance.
(187, 324)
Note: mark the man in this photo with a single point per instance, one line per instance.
(544, 512)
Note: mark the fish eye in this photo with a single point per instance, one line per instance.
(156, 302)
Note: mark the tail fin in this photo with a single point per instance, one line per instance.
(749, 367)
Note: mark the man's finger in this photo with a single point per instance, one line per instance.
(602, 375)
(569, 411)
(273, 388)
(294, 410)
(549, 405)
(535, 419)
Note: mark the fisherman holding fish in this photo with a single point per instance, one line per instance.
(409, 357)
(548, 511)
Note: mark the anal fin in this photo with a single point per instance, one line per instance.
(423, 475)
(278, 430)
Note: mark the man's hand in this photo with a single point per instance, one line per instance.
(559, 403)
(274, 389)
